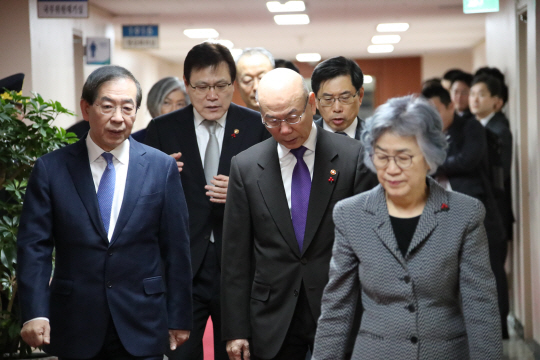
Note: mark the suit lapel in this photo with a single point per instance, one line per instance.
(187, 138)
(137, 169)
(234, 134)
(79, 169)
(271, 186)
(359, 127)
(321, 188)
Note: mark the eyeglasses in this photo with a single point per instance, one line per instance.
(203, 89)
(291, 120)
(381, 161)
(345, 99)
(109, 109)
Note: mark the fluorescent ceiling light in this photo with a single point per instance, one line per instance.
(289, 6)
(385, 39)
(392, 27)
(368, 79)
(300, 19)
(374, 49)
(308, 57)
(201, 33)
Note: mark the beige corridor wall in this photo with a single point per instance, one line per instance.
(435, 65)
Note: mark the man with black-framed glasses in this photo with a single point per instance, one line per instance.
(338, 85)
(278, 229)
(203, 137)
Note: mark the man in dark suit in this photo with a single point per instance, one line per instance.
(486, 92)
(278, 230)
(209, 72)
(460, 87)
(114, 211)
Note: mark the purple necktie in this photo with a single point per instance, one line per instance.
(300, 189)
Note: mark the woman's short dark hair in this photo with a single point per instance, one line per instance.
(208, 54)
(103, 74)
(334, 67)
(407, 116)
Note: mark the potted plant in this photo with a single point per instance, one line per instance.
(20, 146)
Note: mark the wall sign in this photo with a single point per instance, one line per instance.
(140, 36)
(480, 6)
(62, 8)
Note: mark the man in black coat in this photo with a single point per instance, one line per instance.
(205, 136)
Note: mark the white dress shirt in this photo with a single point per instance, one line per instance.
(350, 130)
(287, 161)
(203, 136)
(98, 165)
(485, 120)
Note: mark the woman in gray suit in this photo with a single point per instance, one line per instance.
(417, 253)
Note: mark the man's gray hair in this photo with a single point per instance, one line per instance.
(159, 92)
(255, 51)
(407, 116)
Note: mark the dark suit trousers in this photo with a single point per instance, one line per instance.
(114, 350)
(301, 334)
(206, 294)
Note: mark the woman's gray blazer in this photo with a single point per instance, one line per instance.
(438, 302)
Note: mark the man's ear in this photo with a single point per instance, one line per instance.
(85, 108)
(312, 102)
(361, 95)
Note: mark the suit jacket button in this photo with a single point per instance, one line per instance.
(109, 284)
(407, 279)
(411, 308)
(414, 339)
(110, 254)
(303, 261)
(295, 293)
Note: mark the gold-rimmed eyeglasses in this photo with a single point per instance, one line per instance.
(109, 109)
(271, 122)
(204, 88)
(345, 99)
(381, 161)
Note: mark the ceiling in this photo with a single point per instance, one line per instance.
(337, 27)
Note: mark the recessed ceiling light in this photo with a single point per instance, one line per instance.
(385, 39)
(289, 6)
(300, 19)
(201, 33)
(308, 57)
(392, 27)
(368, 79)
(374, 49)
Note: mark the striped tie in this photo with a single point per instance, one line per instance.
(105, 191)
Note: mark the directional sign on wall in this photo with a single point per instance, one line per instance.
(480, 6)
(140, 36)
(98, 51)
(62, 8)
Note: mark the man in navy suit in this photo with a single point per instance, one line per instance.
(206, 134)
(114, 211)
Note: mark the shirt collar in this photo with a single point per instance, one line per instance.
(309, 143)
(350, 131)
(485, 120)
(121, 152)
(199, 118)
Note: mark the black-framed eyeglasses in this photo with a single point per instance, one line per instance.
(203, 89)
(291, 120)
(381, 161)
(345, 99)
(109, 109)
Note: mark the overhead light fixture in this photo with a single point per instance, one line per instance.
(368, 79)
(385, 39)
(375, 49)
(289, 6)
(201, 33)
(300, 19)
(308, 57)
(392, 27)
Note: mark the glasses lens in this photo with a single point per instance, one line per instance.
(346, 99)
(293, 120)
(403, 161)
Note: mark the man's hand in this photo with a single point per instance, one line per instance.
(36, 333)
(177, 338)
(218, 192)
(180, 164)
(235, 349)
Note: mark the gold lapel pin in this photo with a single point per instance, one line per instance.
(333, 172)
(236, 131)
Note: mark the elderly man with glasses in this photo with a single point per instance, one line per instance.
(203, 137)
(278, 229)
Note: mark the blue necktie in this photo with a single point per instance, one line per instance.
(105, 191)
(300, 190)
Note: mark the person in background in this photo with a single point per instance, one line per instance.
(167, 95)
(459, 93)
(251, 66)
(113, 211)
(282, 63)
(417, 253)
(207, 134)
(448, 77)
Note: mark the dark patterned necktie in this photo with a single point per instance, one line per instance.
(300, 190)
(105, 191)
